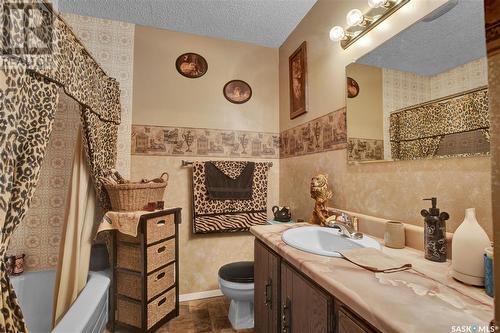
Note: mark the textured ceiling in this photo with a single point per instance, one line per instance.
(263, 22)
(429, 48)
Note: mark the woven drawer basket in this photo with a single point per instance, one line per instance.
(134, 196)
(130, 284)
(129, 256)
(157, 228)
(130, 312)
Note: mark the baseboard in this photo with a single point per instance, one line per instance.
(200, 295)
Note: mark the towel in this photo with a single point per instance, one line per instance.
(374, 260)
(125, 222)
(229, 215)
(228, 180)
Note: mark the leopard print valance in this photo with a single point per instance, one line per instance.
(67, 63)
(417, 132)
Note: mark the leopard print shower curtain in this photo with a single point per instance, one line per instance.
(28, 103)
(29, 85)
(417, 132)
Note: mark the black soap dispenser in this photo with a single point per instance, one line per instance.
(434, 232)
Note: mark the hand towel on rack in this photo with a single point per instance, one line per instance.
(227, 180)
(229, 215)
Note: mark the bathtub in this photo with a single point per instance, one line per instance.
(89, 313)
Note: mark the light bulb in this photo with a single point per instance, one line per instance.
(354, 17)
(377, 3)
(337, 34)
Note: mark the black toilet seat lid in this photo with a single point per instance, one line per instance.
(239, 272)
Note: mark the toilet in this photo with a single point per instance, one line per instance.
(236, 283)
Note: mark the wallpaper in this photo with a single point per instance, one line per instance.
(184, 141)
(111, 43)
(365, 149)
(319, 135)
(39, 235)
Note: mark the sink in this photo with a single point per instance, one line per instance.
(324, 241)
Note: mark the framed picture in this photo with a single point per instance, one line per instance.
(352, 88)
(237, 91)
(191, 65)
(297, 67)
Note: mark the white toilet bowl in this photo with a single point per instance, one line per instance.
(240, 293)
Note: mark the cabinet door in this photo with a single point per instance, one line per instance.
(266, 293)
(304, 307)
(348, 322)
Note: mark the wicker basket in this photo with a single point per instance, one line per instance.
(134, 196)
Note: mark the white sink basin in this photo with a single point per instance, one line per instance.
(324, 241)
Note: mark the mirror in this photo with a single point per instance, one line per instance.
(422, 94)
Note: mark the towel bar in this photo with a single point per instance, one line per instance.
(185, 163)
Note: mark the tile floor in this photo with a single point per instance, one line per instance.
(201, 316)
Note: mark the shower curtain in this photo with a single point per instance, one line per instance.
(76, 240)
(29, 85)
(27, 107)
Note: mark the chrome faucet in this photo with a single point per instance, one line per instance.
(345, 228)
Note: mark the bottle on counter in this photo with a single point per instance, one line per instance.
(435, 232)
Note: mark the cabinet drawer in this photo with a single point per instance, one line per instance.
(130, 312)
(348, 323)
(128, 256)
(160, 254)
(130, 284)
(159, 228)
(160, 281)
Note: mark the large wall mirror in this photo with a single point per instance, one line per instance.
(422, 94)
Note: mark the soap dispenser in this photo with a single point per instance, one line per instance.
(434, 232)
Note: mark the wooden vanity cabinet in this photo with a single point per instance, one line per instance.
(267, 291)
(287, 301)
(304, 306)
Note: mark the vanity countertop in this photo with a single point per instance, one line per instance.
(424, 299)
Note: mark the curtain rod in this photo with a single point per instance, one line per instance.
(185, 163)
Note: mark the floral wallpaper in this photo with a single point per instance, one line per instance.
(186, 141)
(321, 134)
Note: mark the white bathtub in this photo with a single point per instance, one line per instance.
(88, 314)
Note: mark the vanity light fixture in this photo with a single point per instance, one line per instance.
(378, 3)
(359, 23)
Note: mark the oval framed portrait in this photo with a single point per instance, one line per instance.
(237, 91)
(191, 65)
(352, 88)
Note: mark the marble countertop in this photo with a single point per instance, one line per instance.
(423, 299)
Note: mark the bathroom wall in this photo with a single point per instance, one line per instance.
(365, 111)
(164, 98)
(111, 43)
(390, 190)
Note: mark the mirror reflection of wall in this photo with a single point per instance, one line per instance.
(421, 94)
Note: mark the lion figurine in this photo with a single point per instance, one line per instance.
(321, 194)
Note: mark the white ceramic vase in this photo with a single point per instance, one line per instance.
(467, 248)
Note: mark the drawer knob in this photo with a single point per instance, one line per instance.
(160, 223)
(161, 249)
(160, 276)
(162, 301)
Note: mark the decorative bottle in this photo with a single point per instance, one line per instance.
(469, 242)
(434, 232)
